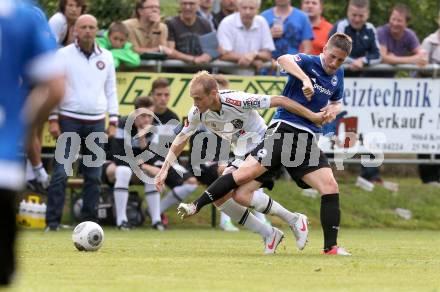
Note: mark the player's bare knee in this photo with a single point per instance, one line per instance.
(329, 186)
(240, 196)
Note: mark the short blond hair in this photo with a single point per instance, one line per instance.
(204, 79)
(222, 81)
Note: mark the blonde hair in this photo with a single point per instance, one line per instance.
(204, 79)
(222, 81)
(257, 2)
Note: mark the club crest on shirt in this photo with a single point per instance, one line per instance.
(237, 123)
(334, 80)
(100, 65)
(233, 101)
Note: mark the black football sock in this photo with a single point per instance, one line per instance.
(330, 219)
(7, 236)
(218, 189)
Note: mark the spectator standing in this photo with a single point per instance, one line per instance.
(146, 32)
(290, 28)
(227, 7)
(430, 173)
(90, 94)
(62, 23)
(398, 43)
(245, 38)
(365, 50)
(205, 12)
(184, 32)
(115, 40)
(321, 27)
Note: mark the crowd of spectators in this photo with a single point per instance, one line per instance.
(239, 34)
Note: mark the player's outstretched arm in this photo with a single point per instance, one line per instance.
(289, 65)
(175, 150)
(296, 108)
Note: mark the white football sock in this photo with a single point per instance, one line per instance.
(123, 176)
(224, 218)
(244, 217)
(264, 204)
(30, 175)
(153, 201)
(176, 195)
(260, 216)
(41, 175)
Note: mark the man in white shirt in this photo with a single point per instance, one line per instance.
(90, 94)
(245, 38)
(232, 115)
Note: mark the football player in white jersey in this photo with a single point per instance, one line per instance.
(232, 115)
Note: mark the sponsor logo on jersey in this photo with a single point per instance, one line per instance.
(237, 123)
(251, 103)
(322, 89)
(297, 58)
(334, 80)
(100, 65)
(233, 101)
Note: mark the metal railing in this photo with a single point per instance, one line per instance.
(159, 65)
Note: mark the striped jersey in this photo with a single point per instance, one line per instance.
(237, 121)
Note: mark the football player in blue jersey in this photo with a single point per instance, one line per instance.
(317, 83)
(26, 57)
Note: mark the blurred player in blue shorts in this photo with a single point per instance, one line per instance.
(26, 59)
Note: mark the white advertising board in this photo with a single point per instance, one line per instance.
(387, 115)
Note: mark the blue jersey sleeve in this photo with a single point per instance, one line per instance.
(339, 92)
(40, 44)
(304, 61)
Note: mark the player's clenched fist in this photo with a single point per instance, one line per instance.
(159, 180)
(308, 89)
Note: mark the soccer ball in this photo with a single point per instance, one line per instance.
(88, 236)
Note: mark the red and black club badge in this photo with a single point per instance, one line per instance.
(100, 65)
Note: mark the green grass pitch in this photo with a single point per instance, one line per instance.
(211, 260)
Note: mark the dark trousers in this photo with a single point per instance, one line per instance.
(429, 172)
(92, 175)
(8, 231)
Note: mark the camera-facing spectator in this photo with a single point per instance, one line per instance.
(245, 38)
(321, 27)
(115, 40)
(184, 32)
(205, 12)
(146, 32)
(227, 7)
(62, 23)
(365, 43)
(290, 28)
(398, 43)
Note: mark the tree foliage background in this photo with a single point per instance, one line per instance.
(424, 12)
